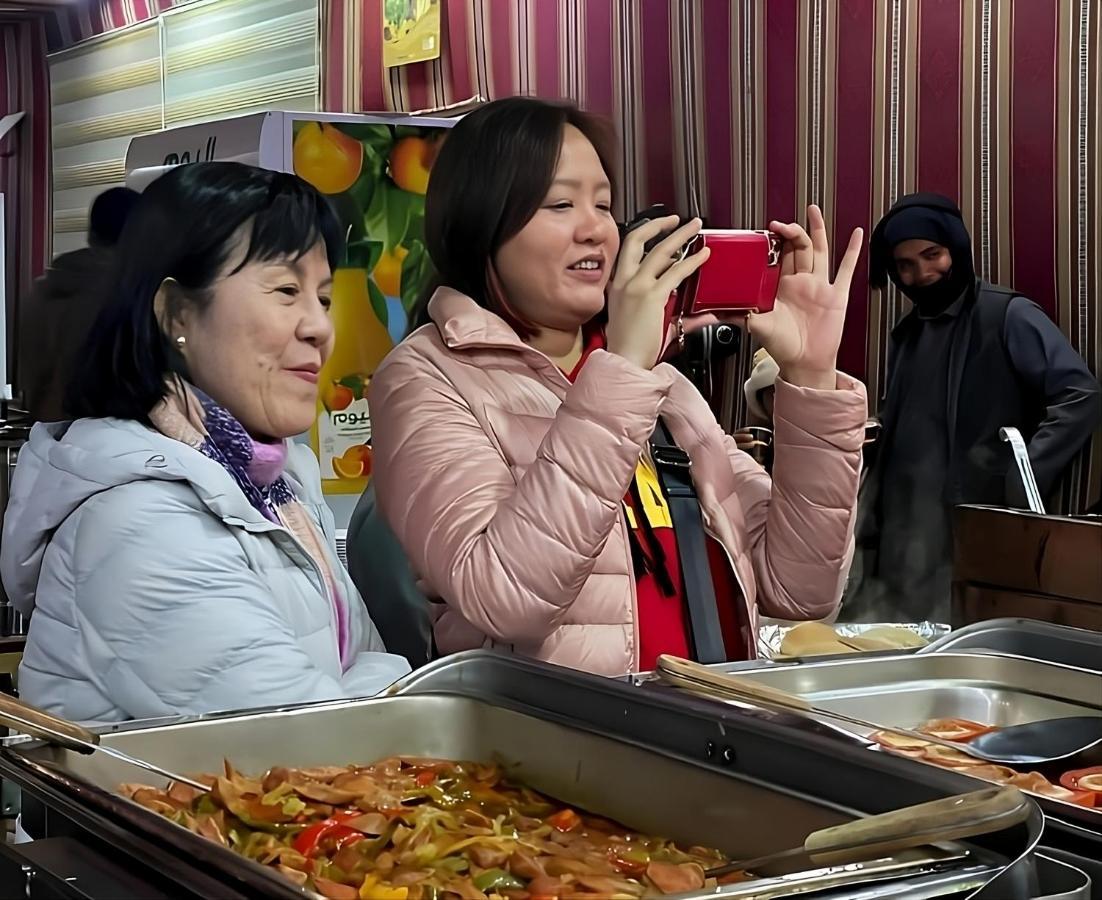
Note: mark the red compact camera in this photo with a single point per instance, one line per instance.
(741, 275)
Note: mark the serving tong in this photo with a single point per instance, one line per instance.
(46, 726)
(873, 837)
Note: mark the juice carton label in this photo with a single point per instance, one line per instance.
(344, 442)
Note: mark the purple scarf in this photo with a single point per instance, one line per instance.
(256, 466)
(190, 416)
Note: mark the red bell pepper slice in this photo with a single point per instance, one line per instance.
(309, 840)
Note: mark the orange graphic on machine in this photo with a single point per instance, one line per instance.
(410, 161)
(327, 158)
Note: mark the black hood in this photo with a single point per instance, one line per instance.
(923, 216)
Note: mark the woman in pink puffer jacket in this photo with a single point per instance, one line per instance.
(510, 428)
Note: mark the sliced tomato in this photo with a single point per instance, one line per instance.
(955, 729)
(997, 774)
(953, 759)
(1056, 792)
(1089, 779)
(898, 741)
(425, 777)
(565, 820)
(1036, 783)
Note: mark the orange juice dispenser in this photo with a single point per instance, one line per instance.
(374, 168)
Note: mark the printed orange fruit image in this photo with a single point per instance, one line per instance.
(327, 158)
(355, 462)
(337, 397)
(388, 271)
(410, 161)
(346, 468)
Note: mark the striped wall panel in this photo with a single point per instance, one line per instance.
(748, 110)
(24, 161)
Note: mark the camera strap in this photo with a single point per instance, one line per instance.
(674, 473)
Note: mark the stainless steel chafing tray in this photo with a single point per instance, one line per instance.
(572, 736)
(1044, 641)
(907, 690)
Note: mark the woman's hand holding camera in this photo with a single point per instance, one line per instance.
(641, 286)
(804, 329)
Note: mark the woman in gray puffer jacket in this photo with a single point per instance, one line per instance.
(172, 541)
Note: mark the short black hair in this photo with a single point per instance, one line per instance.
(109, 213)
(490, 177)
(184, 228)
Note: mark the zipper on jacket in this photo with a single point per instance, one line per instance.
(634, 592)
(326, 588)
(753, 649)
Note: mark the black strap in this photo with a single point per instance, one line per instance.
(672, 464)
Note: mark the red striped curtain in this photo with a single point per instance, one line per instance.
(750, 109)
(24, 161)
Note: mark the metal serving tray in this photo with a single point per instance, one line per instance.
(1060, 644)
(695, 772)
(647, 791)
(907, 690)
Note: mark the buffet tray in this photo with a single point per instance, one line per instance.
(579, 742)
(649, 792)
(907, 690)
(1060, 644)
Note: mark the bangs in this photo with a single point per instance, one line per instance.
(291, 223)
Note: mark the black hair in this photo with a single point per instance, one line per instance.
(490, 177)
(108, 215)
(184, 228)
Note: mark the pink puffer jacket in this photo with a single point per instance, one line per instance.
(503, 482)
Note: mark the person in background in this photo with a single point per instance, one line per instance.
(511, 430)
(62, 307)
(760, 389)
(968, 359)
(172, 542)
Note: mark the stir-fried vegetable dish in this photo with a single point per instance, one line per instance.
(426, 829)
(1083, 787)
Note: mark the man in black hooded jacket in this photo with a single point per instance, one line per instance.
(968, 359)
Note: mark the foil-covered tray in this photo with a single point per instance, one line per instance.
(771, 636)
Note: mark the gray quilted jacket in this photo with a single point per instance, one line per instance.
(157, 589)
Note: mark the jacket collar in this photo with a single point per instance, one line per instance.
(463, 324)
(213, 484)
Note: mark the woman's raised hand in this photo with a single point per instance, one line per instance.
(641, 286)
(804, 329)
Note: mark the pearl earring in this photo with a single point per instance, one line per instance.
(180, 341)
